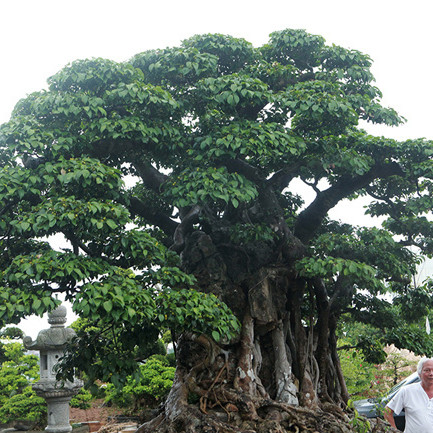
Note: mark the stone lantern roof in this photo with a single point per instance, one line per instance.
(54, 338)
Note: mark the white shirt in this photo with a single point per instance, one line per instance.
(417, 406)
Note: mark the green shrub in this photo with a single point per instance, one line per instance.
(17, 399)
(82, 400)
(358, 373)
(24, 406)
(367, 380)
(154, 384)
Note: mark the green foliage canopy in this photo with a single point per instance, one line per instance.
(214, 131)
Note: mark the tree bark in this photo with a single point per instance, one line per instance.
(283, 370)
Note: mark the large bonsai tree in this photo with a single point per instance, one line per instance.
(210, 138)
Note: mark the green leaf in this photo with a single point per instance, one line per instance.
(24, 225)
(111, 223)
(108, 306)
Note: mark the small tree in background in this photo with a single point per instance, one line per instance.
(398, 366)
(11, 333)
(17, 399)
(82, 400)
(148, 392)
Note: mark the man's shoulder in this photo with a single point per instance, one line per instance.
(405, 394)
(410, 389)
(413, 387)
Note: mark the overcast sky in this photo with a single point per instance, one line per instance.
(39, 37)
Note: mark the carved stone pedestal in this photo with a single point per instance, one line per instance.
(58, 414)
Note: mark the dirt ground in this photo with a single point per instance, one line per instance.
(97, 413)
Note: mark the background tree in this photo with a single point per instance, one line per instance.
(18, 402)
(137, 397)
(212, 135)
(6, 335)
(11, 333)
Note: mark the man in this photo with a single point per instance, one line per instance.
(416, 400)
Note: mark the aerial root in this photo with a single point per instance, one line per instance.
(204, 398)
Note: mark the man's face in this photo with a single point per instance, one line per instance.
(427, 373)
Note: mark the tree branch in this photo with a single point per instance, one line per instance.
(152, 178)
(242, 167)
(283, 177)
(158, 219)
(347, 347)
(311, 218)
(312, 185)
(185, 227)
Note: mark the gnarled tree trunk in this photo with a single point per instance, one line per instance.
(282, 374)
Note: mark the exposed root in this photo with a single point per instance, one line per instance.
(203, 398)
(113, 427)
(229, 396)
(274, 417)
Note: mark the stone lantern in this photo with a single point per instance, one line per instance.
(51, 344)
